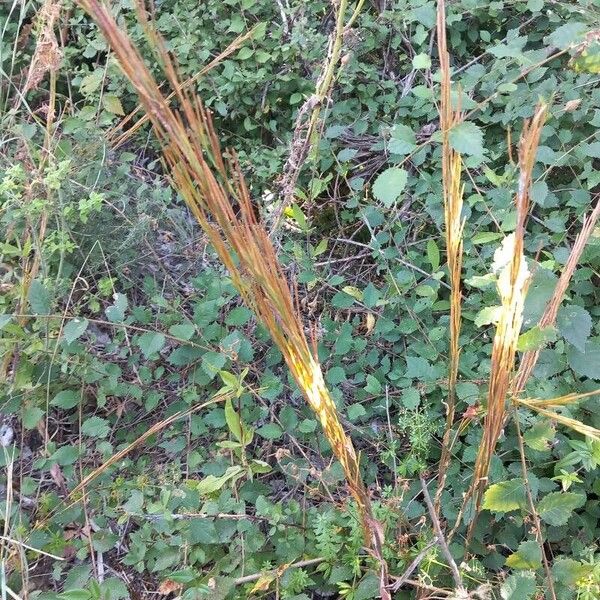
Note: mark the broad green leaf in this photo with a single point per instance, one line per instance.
(536, 338)
(575, 325)
(433, 255)
(373, 385)
(213, 362)
(569, 571)
(528, 556)
(421, 61)
(74, 329)
(556, 507)
(586, 364)
(355, 411)
(467, 138)
(410, 398)
(519, 586)
(95, 427)
(540, 435)
(113, 105)
(233, 419)
(116, 312)
(211, 484)
(151, 343)
(270, 431)
(183, 331)
(32, 415)
(238, 316)
(569, 34)
(505, 496)
(66, 399)
(39, 298)
(485, 237)
(389, 185)
(402, 141)
(488, 315)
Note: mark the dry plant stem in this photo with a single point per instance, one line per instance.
(548, 318)
(400, 581)
(512, 286)
(305, 130)
(440, 537)
(297, 565)
(214, 189)
(454, 224)
(536, 518)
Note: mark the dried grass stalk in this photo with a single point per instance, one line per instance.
(454, 224)
(548, 318)
(213, 187)
(513, 280)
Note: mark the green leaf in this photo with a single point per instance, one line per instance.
(233, 419)
(66, 399)
(32, 415)
(539, 435)
(467, 138)
(183, 331)
(213, 362)
(536, 338)
(116, 312)
(485, 237)
(421, 61)
(488, 315)
(505, 496)
(74, 329)
(410, 398)
(270, 431)
(528, 556)
(575, 325)
(569, 571)
(113, 105)
(402, 140)
(556, 507)
(39, 298)
(335, 375)
(78, 594)
(238, 316)
(95, 427)
(519, 586)
(373, 385)
(389, 185)
(151, 343)
(433, 255)
(355, 411)
(212, 484)
(586, 364)
(568, 35)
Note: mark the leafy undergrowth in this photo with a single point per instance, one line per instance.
(117, 316)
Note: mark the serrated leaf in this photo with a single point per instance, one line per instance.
(556, 507)
(151, 343)
(183, 331)
(39, 298)
(536, 338)
(488, 315)
(528, 556)
(575, 325)
(569, 34)
(95, 427)
(433, 255)
(74, 329)
(270, 431)
(519, 586)
(66, 399)
(421, 61)
(213, 362)
(389, 185)
(116, 312)
(113, 105)
(505, 496)
(539, 435)
(467, 138)
(587, 363)
(31, 416)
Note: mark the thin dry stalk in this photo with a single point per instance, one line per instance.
(213, 187)
(304, 136)
(513, 280)
(548, 319)
(454, 224)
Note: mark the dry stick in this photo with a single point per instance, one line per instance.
(400, 581)
(453, 230)
(513, 280)
(536, 518)
(548, 318)
(304, 134)
(297, 565)
(440, 537)
(213, 187)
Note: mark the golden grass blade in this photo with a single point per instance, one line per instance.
(513, 280)
(213, 187)
(454, 224)
(548, 319)
(558, 401)
(574, 424)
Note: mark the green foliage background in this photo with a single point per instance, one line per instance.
(132, 318)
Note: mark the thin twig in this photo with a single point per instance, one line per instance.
(297, 565)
